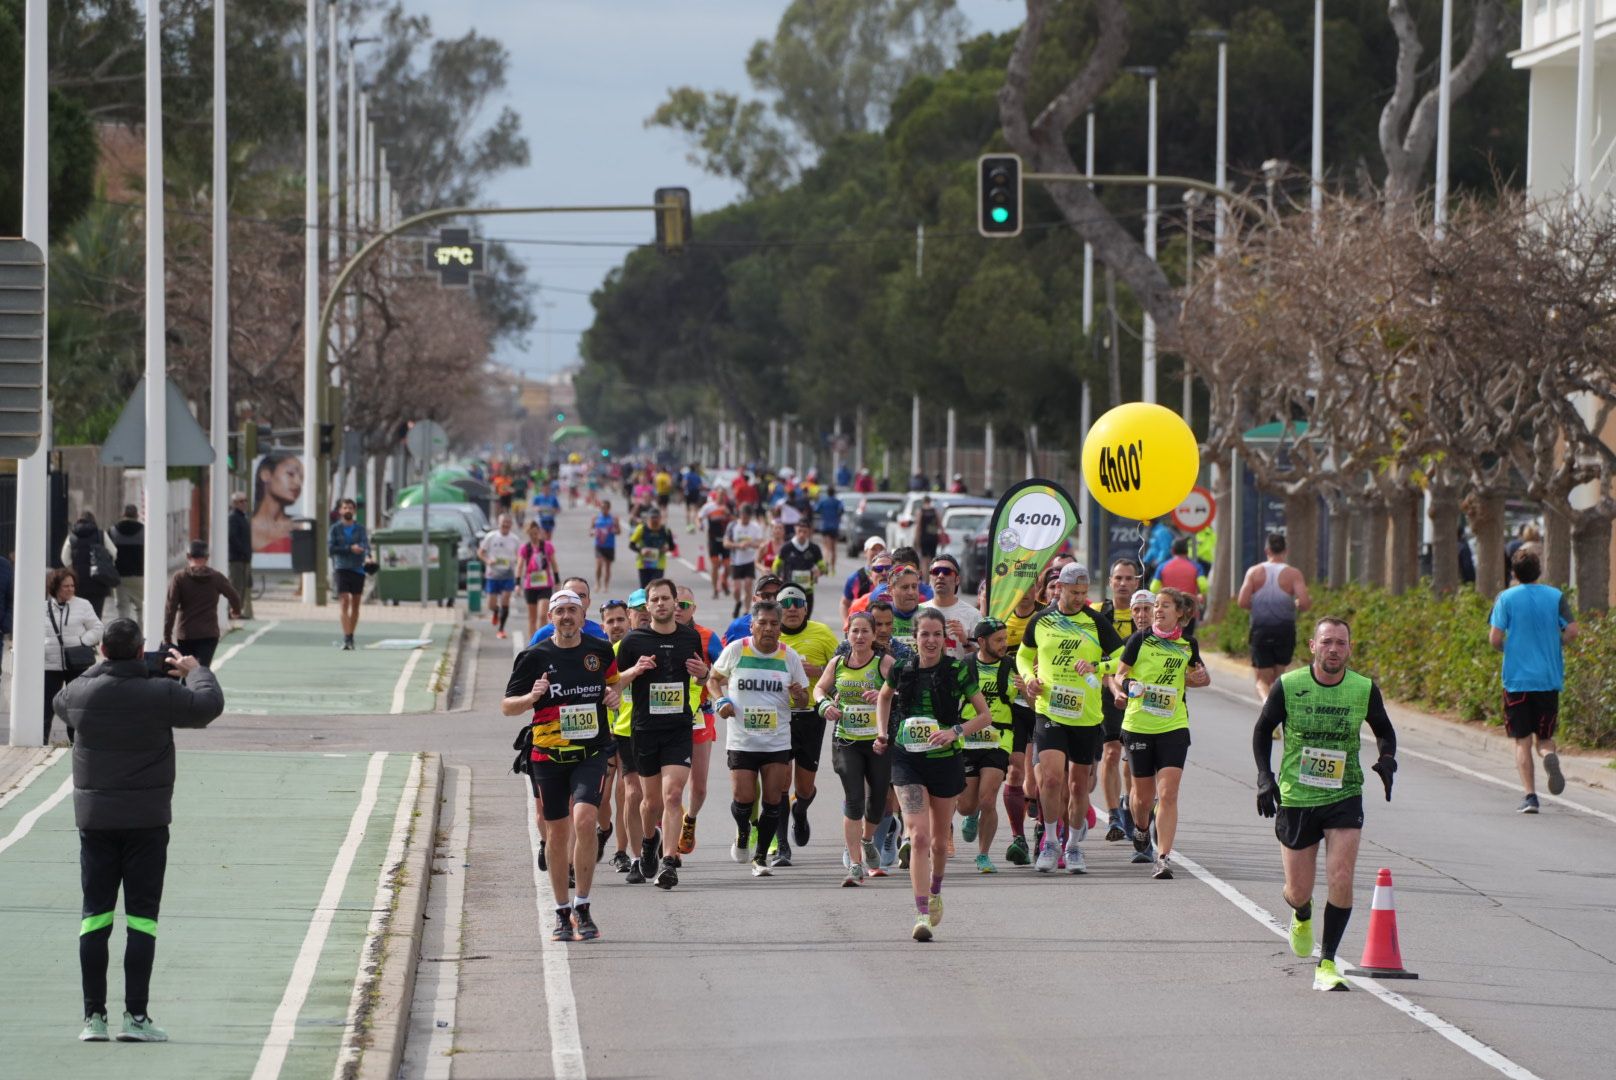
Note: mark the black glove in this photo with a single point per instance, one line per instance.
(1386, 767)
(1267, 795)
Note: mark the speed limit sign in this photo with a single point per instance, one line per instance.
(1196, 511)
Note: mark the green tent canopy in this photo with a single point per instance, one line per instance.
(441, 493)
(571, 431)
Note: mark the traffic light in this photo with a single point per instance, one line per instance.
(998, 195)
(672, 219)
(561, 418)
(605, 452)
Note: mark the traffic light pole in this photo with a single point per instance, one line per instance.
(322, 479)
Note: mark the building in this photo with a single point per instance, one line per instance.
(1551, 53)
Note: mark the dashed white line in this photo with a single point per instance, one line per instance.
(235, 650)
(401, 688)
(566, 1047)
(1558, 800)
(26, 823)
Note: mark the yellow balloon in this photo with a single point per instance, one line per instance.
(1140, 461)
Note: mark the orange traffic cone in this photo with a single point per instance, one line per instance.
(1382, 958)
(701, 563)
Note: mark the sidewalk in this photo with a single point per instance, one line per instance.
(279, 886)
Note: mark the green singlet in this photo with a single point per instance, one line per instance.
(1320, 762)
(1159, 666)
(858, 716)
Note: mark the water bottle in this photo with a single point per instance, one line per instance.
(1136, 689)
(1093, 680)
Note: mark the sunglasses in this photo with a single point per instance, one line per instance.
(943, 571)
(881, 569)
(792, 603)
(608, 605)
(686, 605)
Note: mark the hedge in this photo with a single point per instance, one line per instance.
(1432, 652)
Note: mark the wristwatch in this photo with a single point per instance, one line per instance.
(959, 731)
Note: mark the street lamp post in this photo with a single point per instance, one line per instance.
(219, 402)
(1444, 110)
(311, 283)
(156, 547)
(1148, 347)
(1221, 169)
(1192, 203)
(1317, 200)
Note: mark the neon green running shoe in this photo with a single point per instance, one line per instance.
(984, 865)
(1301, 936)
(142, 1030)
(1327, 978)
(968, 828)
(95, 1028)
(934, 909)
(922, 930)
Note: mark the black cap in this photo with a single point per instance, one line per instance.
(198, 549)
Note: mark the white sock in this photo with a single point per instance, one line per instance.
(580, 901)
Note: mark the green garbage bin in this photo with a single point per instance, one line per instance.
(398, 576)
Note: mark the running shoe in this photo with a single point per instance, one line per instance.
(1048, 856)
(968, 828)
(1163, 872)
(544, 864)
(1038, 836)
(1113, 831)
(1528, 805)
(922, 930)
(1141, 841)
(563, 926)
(1082, 829)
(95, 1028)
(1125, 818)
(601, 836)
(888, 830)
(669, 876)
(583, 925)
(984, 864)
(781, 854)
(1089, 819)
(855, 876)
(903, 854)
(141, 1030)
(648, 867)
(799, 824)
(620, 862)
(872, 858)
(847, 860)
(760, 867)
(934, 908)
(1017, 853)
(1551, 765)
(687, 836)
(1074, 861)
(878, 871)
(500, 634)
(1146, 856)
(1326, 977)
(741, 850)
(1301, 936)
(635, 875)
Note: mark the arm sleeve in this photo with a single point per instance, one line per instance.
(1268, 722)
(198, 701)
(1381, 724)
(1027, 660)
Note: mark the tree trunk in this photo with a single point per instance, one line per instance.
(1404, 560)
(1444, 540)
(1224, 570)
(1340, 542)
(1556, 546)
(1302, 532)
(1377, 527)
(1487, 521)
(1590, 538)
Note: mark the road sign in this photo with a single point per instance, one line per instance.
(427, 439)
(454, 257)
(125, 444)
(22, 348)
(1197, 510)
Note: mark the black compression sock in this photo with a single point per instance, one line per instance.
(742, 813)
(803, 803)
(768, 821)
(1335, 927)
(1305, 912)
(504, 616)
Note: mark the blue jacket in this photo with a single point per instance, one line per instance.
(341, 537)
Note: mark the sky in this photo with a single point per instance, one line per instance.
(584, 75)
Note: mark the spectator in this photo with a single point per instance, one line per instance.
(1528, 536)
(1467, 560)
(82, 552)
(72, 630)
(191, 615)
(123, 794)
(128, 536)
(1531, 624)
(928, 528)
(239, 551)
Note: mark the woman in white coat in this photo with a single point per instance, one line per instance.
(70, 621)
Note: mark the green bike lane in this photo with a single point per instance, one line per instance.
(256, 836)
(297, 668)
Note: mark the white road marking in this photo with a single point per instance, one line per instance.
(284, 1025)
(233, 651)
(25, 824)
(39, 768)
(401, 687)
(1468, 1043)
(370, 952)
(438, 990)
(566, 1048)
(1508, 785)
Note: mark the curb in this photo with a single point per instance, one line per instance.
(1589, 771)
(393, 988)
(444, 682)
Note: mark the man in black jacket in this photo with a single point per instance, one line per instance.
(239, 548)
(123, 795)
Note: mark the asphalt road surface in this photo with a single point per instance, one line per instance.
(1507, 919)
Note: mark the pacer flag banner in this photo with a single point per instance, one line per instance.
(1030, 525)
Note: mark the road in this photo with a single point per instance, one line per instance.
(1507, 919)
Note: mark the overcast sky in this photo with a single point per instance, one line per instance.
(584, 75)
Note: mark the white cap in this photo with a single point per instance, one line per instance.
(563, 597)
(1143, 596)
(874, 542)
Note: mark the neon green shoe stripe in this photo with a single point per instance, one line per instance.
(145, 926)
(94, 923)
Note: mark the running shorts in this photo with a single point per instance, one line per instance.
(349, 582)
(977, 760)
(743, 571)
(707, 733)
(1147, 754)
(1272, 646)
(753, 760)
(807, 739)
(608, 554)
(656, 748)
(533, 596)
(942, 777)
(625, 756)
(496, 586)
(1300, 827)
(1023, 719)
(1081, 745)
(559, 784)
(1532, 712)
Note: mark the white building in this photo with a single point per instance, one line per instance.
(1551, 51)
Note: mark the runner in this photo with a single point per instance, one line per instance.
(691, 484)
(659, 662)
(770, 551)
(758, 682)
(605, 529)
(829, 512)
(1142, 612)
(537, 566)
(961, 615)
(1118, 607)
(498, 552)
(801, 562)
(924, 696)
(1023, 719)
(1319, 793)
(1182, 573)
(546, 505)
(652, 542)
(704, 733)
(568, 683)
(614, 615)
(987, 753)
(1274, 593)
(767, 588)
(1163, 661)
(663, 483)
(845, 695)
(1531, 624)
(815, 644)
(742, 538)
(864, 580)
(716, 514)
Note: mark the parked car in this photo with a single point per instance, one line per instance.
(869, 517)
(901, 528)
(960, 524)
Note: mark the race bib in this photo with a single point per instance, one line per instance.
(667, 697)
(758, 719)
(1159, 700)
(502, 566)
(915, 735)
(649, 557)
(986, 739)
(580, 723)
(906, 640)
(804, 578)
(1322, 768)
(1066, 701)
(857, 722)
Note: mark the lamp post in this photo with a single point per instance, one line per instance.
(156, 546)
(311, 284)
(1317, 200)
(1148, 346)
(1221, 169)
(1444, 110)
(219, 401)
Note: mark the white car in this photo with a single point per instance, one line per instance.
(901, 529)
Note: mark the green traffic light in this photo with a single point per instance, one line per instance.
(1000, 215)
(561, 417)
